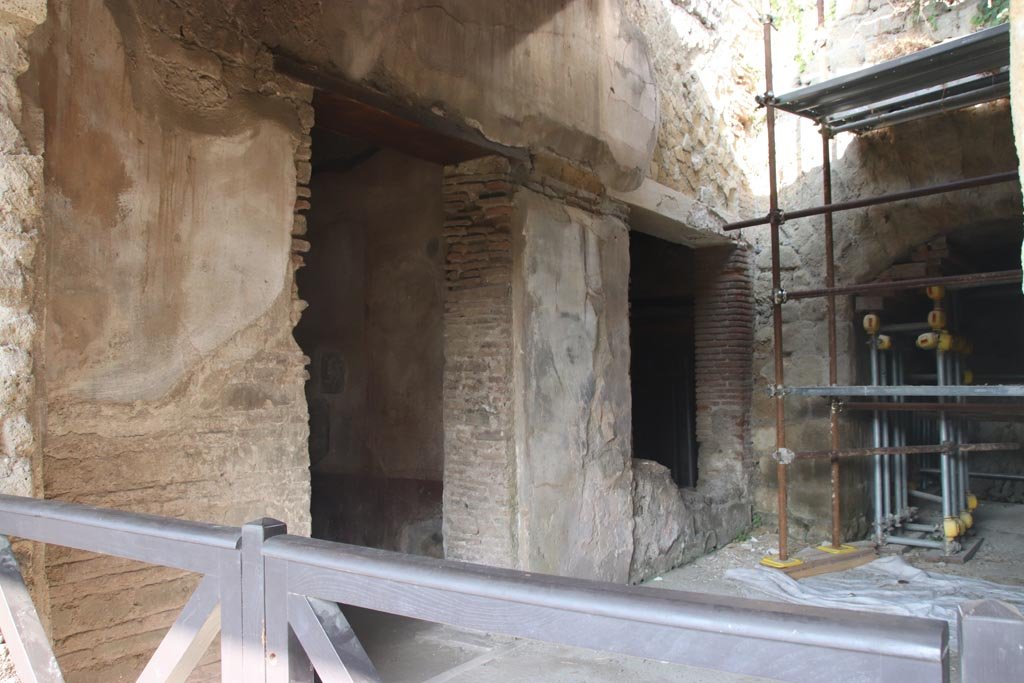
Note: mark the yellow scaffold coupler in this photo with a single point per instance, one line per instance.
(952, 527)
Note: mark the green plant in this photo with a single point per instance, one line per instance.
(992, 13)
(791, 12)
(745, 534)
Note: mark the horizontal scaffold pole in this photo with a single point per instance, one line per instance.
(965, 184)
(981, 475)
(979, 391)
(983, 408)
(997, 277)
(908, 450)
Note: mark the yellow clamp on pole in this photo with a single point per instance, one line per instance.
(968, 377)
(967, 518)
(884, 342)
(872, 323)
(776, 563)
(937, 319)
(946, 341)
(952, 527)
(929, 341)
(826, 548)
(935, 292)
(972, 502)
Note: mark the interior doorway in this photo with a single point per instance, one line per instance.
(374, 280)
(661, 318)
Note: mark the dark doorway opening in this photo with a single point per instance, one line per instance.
(374, 281)
(661, 301)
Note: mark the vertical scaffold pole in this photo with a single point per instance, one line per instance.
(887, 511)
(775, 222)
(830, 307)
(876, 440)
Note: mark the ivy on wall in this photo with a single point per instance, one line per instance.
(992, 13)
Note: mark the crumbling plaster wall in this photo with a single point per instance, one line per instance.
(962, 144)
(572, 399)
(172, 384)
(538, 473)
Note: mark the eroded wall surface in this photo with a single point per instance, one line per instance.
(492, 66)
(705, 57)
(172, 384)
(479, 436)
(537, 398)
(573, 417)
(21, 176)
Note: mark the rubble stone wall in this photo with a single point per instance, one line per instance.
(21, 204)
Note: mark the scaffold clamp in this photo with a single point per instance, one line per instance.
(784, 456)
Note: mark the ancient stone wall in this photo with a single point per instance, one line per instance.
(21, 202)
(172, 384)
(537, 419)
(490, 66)
(706, 59)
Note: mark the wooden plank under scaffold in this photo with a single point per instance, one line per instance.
(816, 562)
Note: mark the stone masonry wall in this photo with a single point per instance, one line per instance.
(21, 174)
(479, 469)
(705, 56)
(170, 379)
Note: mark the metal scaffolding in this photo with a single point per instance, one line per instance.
(952, 75)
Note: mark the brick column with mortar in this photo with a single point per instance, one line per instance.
(724, 330)
(479, 470)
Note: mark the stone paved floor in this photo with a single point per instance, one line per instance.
(408, 651)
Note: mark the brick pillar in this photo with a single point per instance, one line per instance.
(479, 470)
(724, 331)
